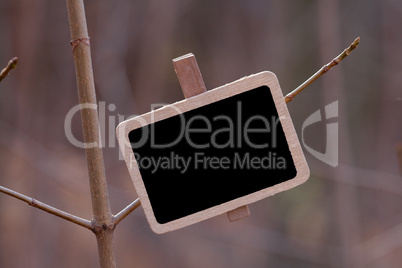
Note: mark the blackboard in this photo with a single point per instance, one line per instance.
(212, 153)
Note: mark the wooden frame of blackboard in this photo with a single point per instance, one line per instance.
(242, 85)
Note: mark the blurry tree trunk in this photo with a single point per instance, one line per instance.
(390, 107)
(27, 23)
(25, 26)
(344, 195)
(162, 18)
(111, 47)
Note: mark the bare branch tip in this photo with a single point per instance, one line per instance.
(355, 43)
(10, 65)
(13, 62)
(357, 40)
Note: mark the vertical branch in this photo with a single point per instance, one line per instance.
(102, 216)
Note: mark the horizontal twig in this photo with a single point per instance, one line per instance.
(126, 211)
(11, 65)
(323, 70)
(57, 212)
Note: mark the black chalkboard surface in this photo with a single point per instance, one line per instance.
(212, 153)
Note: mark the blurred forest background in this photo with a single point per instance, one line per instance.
(347, 216)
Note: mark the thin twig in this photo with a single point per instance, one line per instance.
(11, 65)
(126, 211)
(49, 209)
(323, 70)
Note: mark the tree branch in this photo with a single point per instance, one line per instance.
(11, 65)
(89, 114)
(49, 209)
(126, 211)
(289, 97)
(103, 226)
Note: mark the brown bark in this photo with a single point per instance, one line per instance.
(102, 216)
